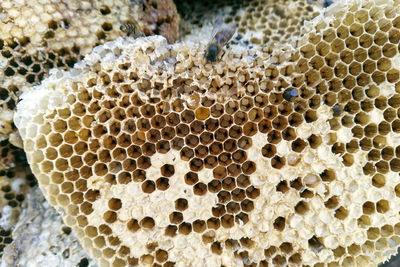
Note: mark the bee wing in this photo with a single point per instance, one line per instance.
(216, 29)
(230, 30)
(222, 33)
(225, 34)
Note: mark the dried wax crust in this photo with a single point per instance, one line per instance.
(158, 157)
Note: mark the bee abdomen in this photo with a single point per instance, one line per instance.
(127, 28)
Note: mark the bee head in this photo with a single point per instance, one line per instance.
(212, 53)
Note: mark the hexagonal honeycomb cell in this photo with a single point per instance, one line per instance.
(269, 157)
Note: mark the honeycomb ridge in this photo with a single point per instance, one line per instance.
(157, 157)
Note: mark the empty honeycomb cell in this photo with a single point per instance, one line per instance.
(332, 202)
(124, 178)
(110, 217)
(133, 151)
(367, 105)
(214, 186)
(341, 213)
(374, 155)
(308, 50)
(282, 187)
(360, 55)
(387, 153)
(177, 143)
(274, 137)
(196, 164)
(338, 45)
(387, 230)
(395, 165)
(348, 160)
(227, 221)
(389, 114)
(211, 124)
(246, 103)
(210, 162)
(162, 183)
(182, 130)
(158, 122)
(396, 125)
(364, 221)
(197, 127)
(252, 192)
(329, 35)
(381, 244)
(228, 183)
(279, 224)
(240, 118)
(219, 210)
(167, 170)
(201, 151)
(369, 66)
(322, 48)
(392, 75)
(187, 116)
(221, 135)
(289, 134)
(148, 187)
(233, 207)
(368, 208)
(167, 133)
(269, 150)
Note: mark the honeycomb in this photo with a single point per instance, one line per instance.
(264, 158)
(36, 36)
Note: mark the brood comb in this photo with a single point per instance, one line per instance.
(155, 157)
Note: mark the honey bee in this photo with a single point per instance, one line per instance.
(132, 27)
(222, 33)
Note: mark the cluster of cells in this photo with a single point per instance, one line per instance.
(130, 130)
(260, 23)
(350, 65)
(117, 123)
(273, 22)
(161, 18)
(59, 37)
